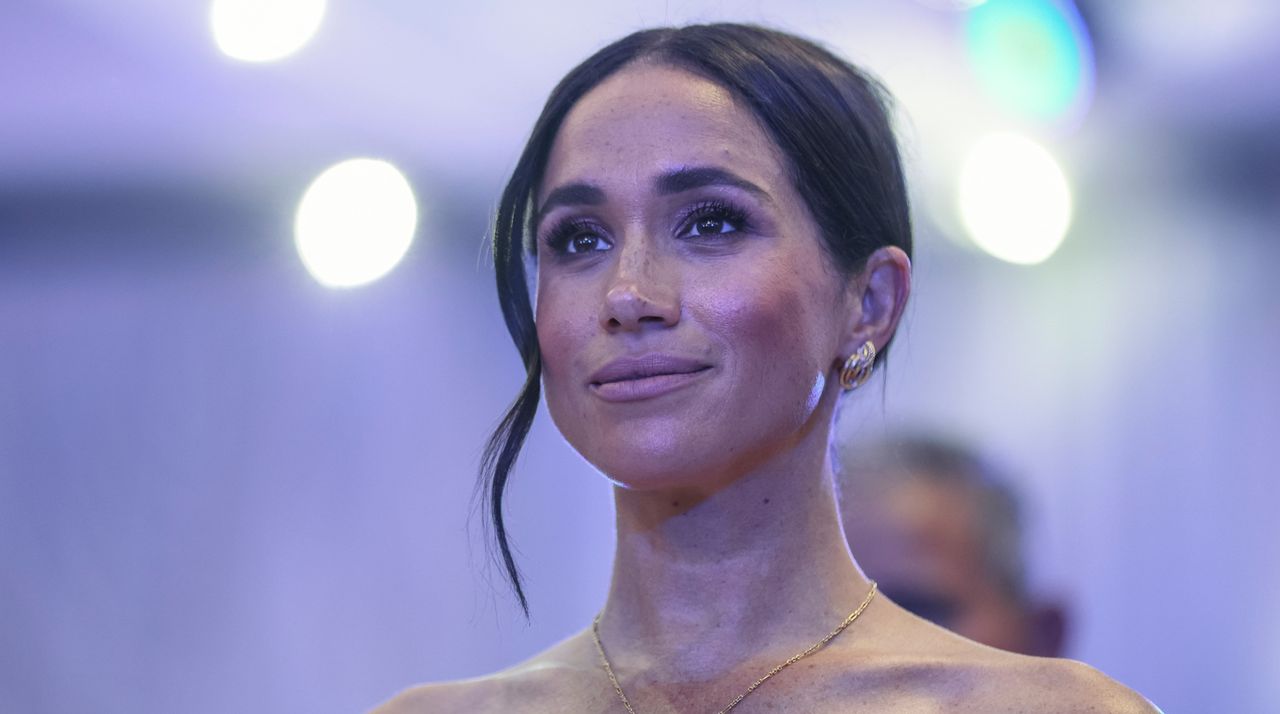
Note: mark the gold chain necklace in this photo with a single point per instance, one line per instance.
(595, 633)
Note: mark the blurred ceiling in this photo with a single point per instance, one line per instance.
(135, 90)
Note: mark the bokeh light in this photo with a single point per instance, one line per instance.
(355, 222)
(1014, 199)
(1034, 57)
(264, 30)
(952, 4)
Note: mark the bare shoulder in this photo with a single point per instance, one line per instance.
(984, 681)
(913, 664)
(546, 682)
(1020, 683)
(992, 680)
(467, 695)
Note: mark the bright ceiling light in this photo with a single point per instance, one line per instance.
(1014, 200)
(355, 222)
(264, 30)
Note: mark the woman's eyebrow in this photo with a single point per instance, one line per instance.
(688, 178)
(685, 178)
(572, 194)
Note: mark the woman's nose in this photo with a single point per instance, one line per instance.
(642, 291)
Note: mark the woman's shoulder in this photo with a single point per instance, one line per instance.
(974, 685)
(964, 676)
(924, 668)
(940, 670)
(549, 681)
(1044, 684)
(440, 697)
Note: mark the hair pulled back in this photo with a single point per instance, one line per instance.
(831, 122)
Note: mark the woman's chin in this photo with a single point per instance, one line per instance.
(656, 472)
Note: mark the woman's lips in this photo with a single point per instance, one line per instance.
(629, 379)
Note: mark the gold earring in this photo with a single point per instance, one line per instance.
(857, 369)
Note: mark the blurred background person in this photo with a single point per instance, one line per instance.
(941, 529)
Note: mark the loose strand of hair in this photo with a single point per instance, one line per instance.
(500, 455)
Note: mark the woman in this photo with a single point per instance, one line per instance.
(720, 229)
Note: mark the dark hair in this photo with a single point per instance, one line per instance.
(831, 122)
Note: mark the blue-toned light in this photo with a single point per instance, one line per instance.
(1034, 57)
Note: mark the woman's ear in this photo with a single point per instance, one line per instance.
(878, 297)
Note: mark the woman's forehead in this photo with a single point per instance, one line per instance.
(646, 121)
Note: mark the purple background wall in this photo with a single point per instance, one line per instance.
(226, 488)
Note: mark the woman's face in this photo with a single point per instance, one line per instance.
(687, 314)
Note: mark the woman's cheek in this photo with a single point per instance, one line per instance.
(761, 318)
(765, 325)
(556, 338)
(562, 342)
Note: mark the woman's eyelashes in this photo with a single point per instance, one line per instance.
(576, 235)
(712, 218)
(705, 220)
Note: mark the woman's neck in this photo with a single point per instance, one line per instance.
(703, 582)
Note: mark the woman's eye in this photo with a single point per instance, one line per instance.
(708, 226)
(712, 221)
(585, 243)
(577, 237)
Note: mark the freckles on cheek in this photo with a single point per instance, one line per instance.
(767, 322)
(763, 320)
(551, 343)
(560, 338)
